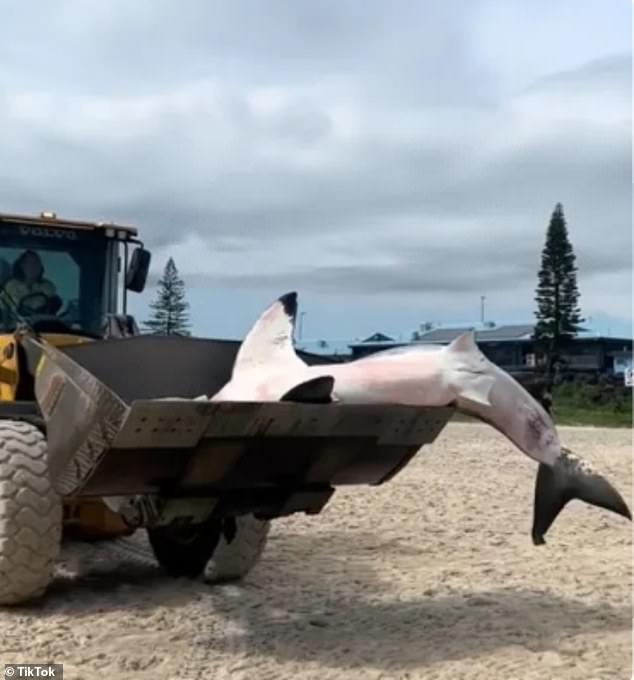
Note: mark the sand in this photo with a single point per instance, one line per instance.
(432, 575)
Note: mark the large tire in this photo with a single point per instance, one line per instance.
(184, 551)
(30, 514)
(233, 561)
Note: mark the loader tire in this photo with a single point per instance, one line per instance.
(184, 551)
(30, 514)
(233, 561)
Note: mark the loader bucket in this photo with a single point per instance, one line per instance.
(274, 458)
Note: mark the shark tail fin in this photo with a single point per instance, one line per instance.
(270, 340)
(568, 479)
(471, 378)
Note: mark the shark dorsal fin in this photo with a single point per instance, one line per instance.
(469, 365)
(270, 340)
(465, 342)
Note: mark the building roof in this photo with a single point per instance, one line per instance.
(378, 337)
(522, 331)
(324, 347)
(484, 333)
(445, 335)
(442, 334)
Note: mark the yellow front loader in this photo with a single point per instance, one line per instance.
(90, 265)
(101, 433)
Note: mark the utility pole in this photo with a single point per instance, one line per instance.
(482, 299)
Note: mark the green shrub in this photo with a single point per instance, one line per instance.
(601, 403)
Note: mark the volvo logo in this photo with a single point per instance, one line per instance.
(47, 232)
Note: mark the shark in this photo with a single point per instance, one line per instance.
(267, 368)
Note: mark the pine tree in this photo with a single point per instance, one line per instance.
(169, 315)
(557, 296)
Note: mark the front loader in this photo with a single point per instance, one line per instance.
(105, 423)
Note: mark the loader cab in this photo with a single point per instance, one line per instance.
(67, 277)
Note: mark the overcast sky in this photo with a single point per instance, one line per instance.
(389, 161)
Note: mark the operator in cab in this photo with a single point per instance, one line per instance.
(27, 291)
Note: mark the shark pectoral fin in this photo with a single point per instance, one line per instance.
(568, 479)
(476, 387)
(313, 391)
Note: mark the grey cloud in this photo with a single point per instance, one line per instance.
(411, 277)
(452, 268)
(606, 73)
(148, 42)
(432, 170)
(357, 279)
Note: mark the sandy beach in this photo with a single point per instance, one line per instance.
(432, 575)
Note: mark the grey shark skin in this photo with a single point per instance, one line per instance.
(314, 391)
(268, 368)
(568, 479)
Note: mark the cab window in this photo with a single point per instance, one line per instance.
(74, 265)
(59, 268)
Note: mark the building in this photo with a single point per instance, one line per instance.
(507, 344)
(511, 346)
(329, 350)
(622, 361)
